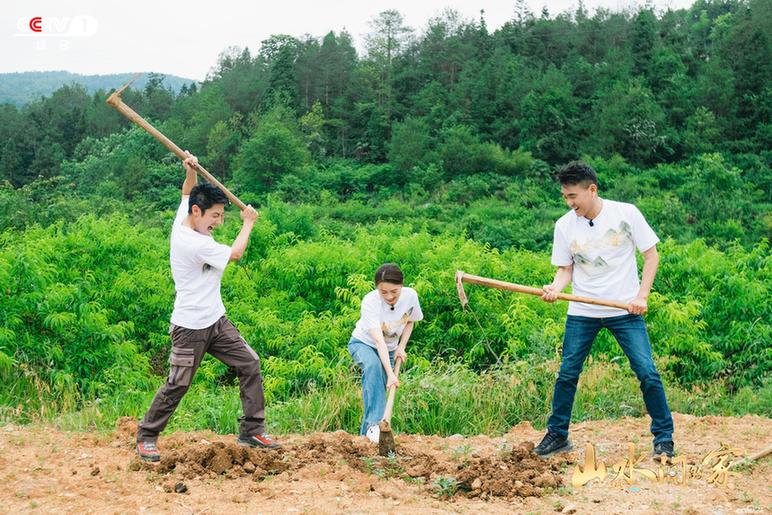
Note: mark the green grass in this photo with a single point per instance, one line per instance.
(433, 399)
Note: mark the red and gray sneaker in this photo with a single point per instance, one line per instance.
(148, 451)
(264, 441)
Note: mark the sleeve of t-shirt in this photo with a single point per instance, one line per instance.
(370, 314)
(214, 254)
(561, 252)
(643, 235)
(416, 314)
(182, 211)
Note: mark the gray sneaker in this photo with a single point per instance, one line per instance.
(663, 449)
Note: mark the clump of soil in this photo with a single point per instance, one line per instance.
(125, 432)
(332, 448)
(214, 459)
(517, 473)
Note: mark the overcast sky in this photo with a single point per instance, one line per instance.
(185, 38)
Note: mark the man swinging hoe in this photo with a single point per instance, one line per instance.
(198, 321)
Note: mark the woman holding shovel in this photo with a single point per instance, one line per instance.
(379, 338)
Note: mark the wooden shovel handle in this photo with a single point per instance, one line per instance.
(393, 388)
(116, 101)
(502, 285)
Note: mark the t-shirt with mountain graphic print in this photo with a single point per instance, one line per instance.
(603, 255)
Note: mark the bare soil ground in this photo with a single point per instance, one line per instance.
(44, 470)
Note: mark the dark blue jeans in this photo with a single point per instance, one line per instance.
(630, 333)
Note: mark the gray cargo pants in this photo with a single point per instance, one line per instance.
(223, 341)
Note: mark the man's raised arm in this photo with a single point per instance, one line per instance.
(191, 178)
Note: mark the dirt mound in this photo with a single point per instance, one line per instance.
(217, 458)
(515, 473)
(199, 457)
(202, 458)
(331, 448)
(125, 433)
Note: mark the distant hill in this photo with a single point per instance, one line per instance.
(24, 87)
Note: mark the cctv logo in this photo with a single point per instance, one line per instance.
(70, 26)
(36, 24)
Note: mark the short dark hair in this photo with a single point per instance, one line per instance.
(577, 172)
(204, 196)
(389, 273)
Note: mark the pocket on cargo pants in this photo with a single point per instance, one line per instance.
(181, 366)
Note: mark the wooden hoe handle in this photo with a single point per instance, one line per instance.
(462, 277)
(116, 101)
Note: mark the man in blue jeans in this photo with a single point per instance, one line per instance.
(594, 249)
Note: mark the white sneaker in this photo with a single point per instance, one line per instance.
(374, 433)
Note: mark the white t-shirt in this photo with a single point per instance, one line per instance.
(603, 255)
(376, 313)
(198, 263)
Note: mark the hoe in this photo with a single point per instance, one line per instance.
(462, 277)
(116, 101)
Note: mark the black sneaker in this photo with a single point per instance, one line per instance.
(663, 449)
(263, 440)
(148, 451)
(553, 444)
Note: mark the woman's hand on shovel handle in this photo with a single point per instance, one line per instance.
(401, 355)
(391, 380)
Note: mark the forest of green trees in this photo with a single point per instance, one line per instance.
(434, 148)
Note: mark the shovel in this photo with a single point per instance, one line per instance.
(386, 436)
